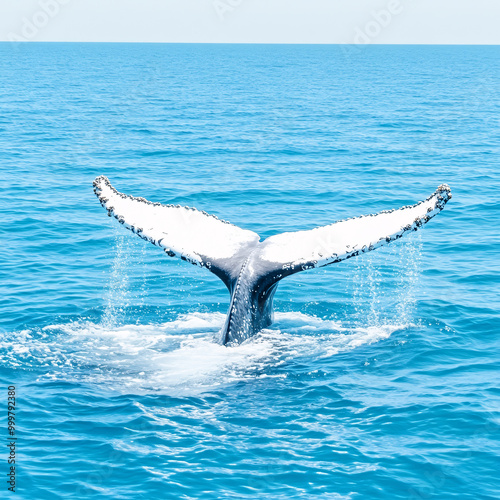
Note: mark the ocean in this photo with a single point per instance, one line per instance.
(379, 378)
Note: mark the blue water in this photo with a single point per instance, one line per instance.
(379, 378)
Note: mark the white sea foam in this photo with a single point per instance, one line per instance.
(179, 356)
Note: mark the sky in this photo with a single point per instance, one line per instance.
(253, 21)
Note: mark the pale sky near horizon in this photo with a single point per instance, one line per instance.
(253, 21)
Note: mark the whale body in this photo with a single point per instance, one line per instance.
(251, 269)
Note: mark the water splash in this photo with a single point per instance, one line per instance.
(408, 266)
(179, 356)
(385, 284)
(118, 294)
(127, 283)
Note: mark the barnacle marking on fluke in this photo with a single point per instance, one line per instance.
(441, 188)
(103, 178)
(195, 260)
(418, 223)
(130, 227)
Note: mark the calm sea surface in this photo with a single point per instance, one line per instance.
(379, 378)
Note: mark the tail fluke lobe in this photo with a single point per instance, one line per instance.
(288, 253)
(187, 233)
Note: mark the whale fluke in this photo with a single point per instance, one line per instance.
(251, 269)
(196, 237)
(301, 250)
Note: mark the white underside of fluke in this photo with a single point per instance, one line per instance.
(328, 244)
(182, 231)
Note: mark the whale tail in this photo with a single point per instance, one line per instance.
(243, 262)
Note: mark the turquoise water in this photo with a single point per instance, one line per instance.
(379, 377)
